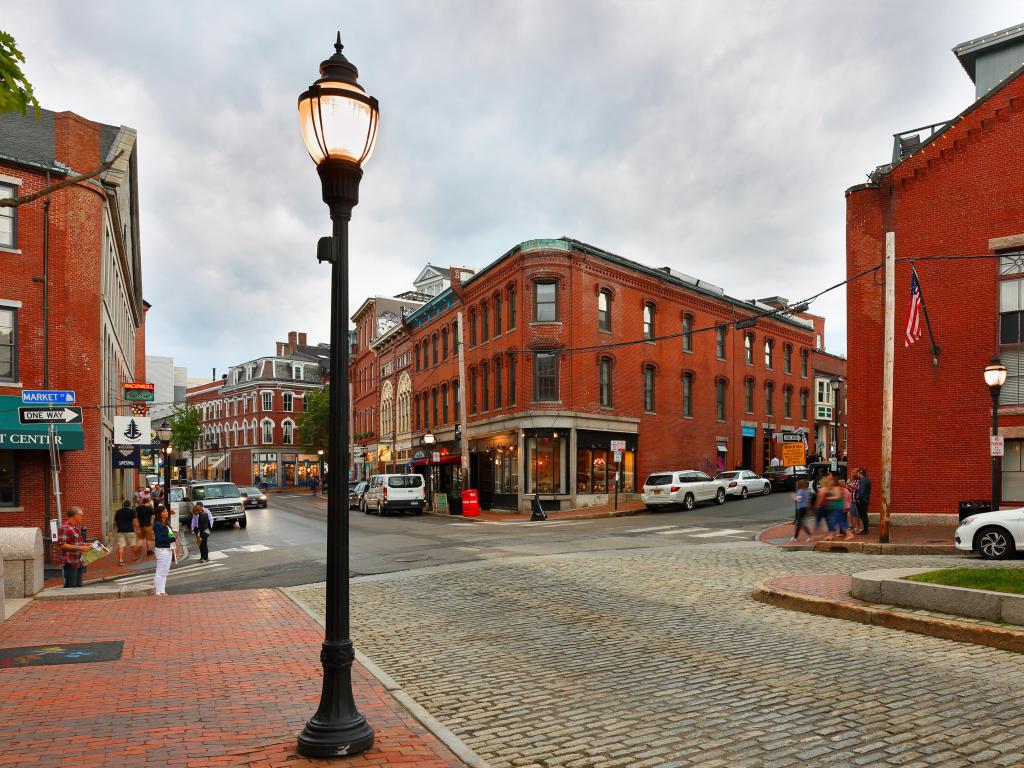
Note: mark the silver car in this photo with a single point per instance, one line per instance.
(681, 488)
(743, 482)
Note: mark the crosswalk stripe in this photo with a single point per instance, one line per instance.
(722, 532)
(653, 528)
(148, 576)
(682, 530)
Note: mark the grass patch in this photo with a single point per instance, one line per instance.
(993, 579)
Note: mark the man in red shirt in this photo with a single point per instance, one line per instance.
(72, 545)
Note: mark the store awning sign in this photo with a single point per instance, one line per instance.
(132, 430)
(126, 457)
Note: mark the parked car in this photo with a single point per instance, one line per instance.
(681, 488)
(385, 493)
(222, 499)
(152, 480)
(355, 494)
(993, 535)
(785, 478)
(253, 497)
(819, 469)
(175, 499)
(743, 482)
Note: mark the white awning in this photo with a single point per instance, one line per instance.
(217, 462)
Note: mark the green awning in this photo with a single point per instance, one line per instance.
(15, 436)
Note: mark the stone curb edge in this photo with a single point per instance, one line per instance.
(526, 518)
(946, 629)
(428, 721)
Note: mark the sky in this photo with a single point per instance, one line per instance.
(715, 138)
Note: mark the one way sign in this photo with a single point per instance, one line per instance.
(63, 415)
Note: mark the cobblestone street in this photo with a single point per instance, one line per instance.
(661, 658)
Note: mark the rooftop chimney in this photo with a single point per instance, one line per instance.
(302, 339)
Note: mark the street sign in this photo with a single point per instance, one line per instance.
(834, 464)
(618, 456)
(138, 391)
(59, 415)
(47, 396)
(793, 454)
(435, 457)
(792, 437)
(618, 445)
(995, 445)
(132, 430)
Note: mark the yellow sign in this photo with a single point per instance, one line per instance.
(793, 455)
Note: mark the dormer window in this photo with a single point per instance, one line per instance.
(296, 372)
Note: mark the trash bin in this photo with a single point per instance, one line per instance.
(968, 508)
(471, 503)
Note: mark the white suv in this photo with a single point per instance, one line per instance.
(394, 492)
(221, 498)
(684, 487)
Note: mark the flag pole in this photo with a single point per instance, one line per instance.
(927, 322)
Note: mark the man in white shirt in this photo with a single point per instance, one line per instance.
(776, 461)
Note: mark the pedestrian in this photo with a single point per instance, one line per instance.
(844, 489)
(837, 515)
(853, 485)
(802, 501)
(202, 524)
(126, 522)
(863, 499)
(164, 541)
(157, 495)
(72, 545)
(820, 502)
(144, 513)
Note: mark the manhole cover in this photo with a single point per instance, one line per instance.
(411, 558)
(73, 653)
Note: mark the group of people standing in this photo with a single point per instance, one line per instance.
(841, 505)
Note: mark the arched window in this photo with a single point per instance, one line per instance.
(404, 396)
(687, 394)
(688, 333)
(748, 349)
(649, 321)
(769, 396)
(787, 358)
(444, 343)
(455, 338)
(497, 382)
(472, 390)
(604, 310)
(649, 388)
(433, 347)
(720, 342)
(769, 351)
(387, 409)
(485, 380)
(433, 404)
(748, 395)
(511, 307)
(604, 375)
(787, 401)
(288, 432)
(803, 404)
(444, 403)
(252, 431)
(485, 322)
(417, 354)
(268, 431)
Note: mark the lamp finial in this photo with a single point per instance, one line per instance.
(337, 43)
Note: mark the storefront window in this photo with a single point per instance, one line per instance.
(8, 480)
(546, 458)
(505, 461)
(595, 462)
(1013, 471)
(264, 469)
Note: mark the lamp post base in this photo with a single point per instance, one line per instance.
(337, 729)
(335, 739)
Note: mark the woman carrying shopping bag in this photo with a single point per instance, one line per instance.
(164, 537)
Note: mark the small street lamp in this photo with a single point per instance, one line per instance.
(339, 128)
(995, 377)
(320, 469)
(835, 384)
(163, 434)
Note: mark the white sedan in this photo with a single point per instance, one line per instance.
(993, 535)
(681, 488)
(743, 482)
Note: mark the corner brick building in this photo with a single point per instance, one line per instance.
(72, 314)
(951, 190)
(568, 347)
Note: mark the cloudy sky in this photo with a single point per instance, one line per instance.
(717, 138)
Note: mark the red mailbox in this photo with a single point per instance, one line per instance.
(471, 503)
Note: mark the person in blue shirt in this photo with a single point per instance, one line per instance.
(164, 543)
(802, 499)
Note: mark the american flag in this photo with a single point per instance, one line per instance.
(914, 316)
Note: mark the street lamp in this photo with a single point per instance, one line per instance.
(163, 433)
(995, 377)
(339, 127)
(320, 469)
(835, 384)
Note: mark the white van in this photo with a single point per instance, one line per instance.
(394, 492)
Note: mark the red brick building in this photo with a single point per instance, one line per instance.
(568, 347)
(72, 314)
(951, 190)
(252, 414)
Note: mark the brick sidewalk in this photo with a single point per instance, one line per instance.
(225, 679)
(904, 539)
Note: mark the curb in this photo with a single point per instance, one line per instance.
(428, 721)
(945, 629)
(525, 518)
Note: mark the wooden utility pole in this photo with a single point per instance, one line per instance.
(887, 371)
(461, 415)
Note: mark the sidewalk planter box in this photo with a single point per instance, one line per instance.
(22, 552)
(889, 586)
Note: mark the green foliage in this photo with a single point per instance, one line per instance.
(15, 89)
(186, 427)
(993, 579)
(316, 419)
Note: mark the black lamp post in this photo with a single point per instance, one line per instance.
(320, 469)
(339, 127)
(835, 384)
(163, 433)
(995, 377)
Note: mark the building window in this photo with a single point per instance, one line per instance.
(444, 403)
(687, 333)
(416, 411)
(1013, 472)
(8, 475)
(720, 342)
(485, 380)
(649, 321)
(546, 462)
(720, 399)
(472, 329)
(497, 315)
(426, 411)
(485, 322)
(497, 380)
(748, 349)
(649, 388)
(433, 406)
(604, 369)
(545, 302)
(803, 363)
(1011, 310)
(297, 373)
(511, 308)
(769, 396)
(604, 310)
(769, 354)
(472, 390)
(803, 404)
(444, 343)
(787, 402)
(545, 376)
(787, 358)
(748, 395)
(268, 431)
(417, 350)
(595, 469)
(8, 344)
(268, 401)
(512, 380)
(288, 399)
(433, 348)
(288, 431)
(455, 338)
(455, 399)
(687, 394)
(8, 219)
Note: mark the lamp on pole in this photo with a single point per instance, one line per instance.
(320, 469)
(835, 384)
(339, 128)
(995, 377)
(163, 434)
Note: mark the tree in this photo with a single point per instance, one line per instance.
(15, 89)
(315, 425)
(186, 428)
